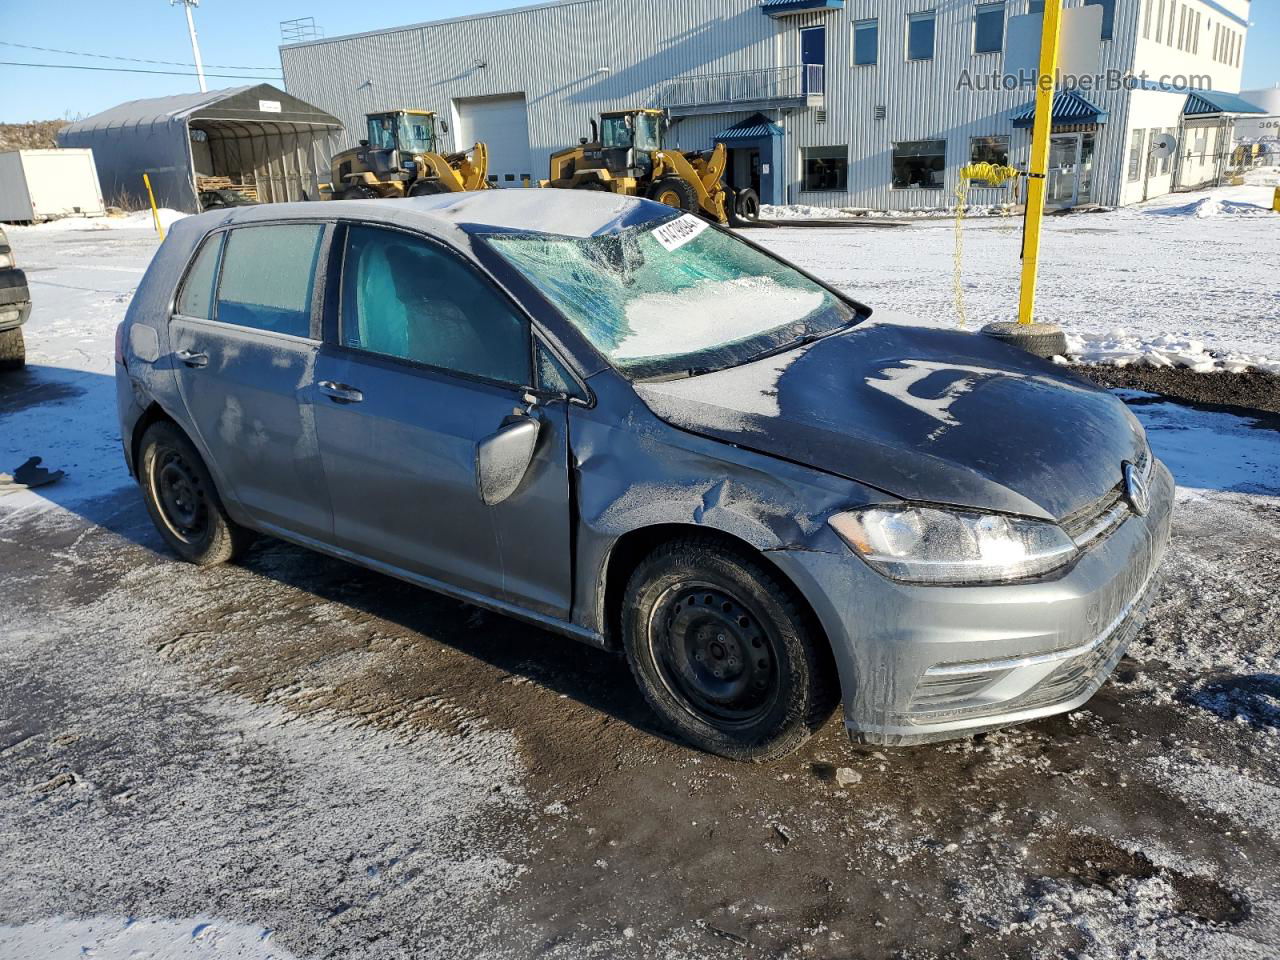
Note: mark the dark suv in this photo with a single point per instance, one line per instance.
(15, 305)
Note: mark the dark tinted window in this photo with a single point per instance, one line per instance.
(196, 299)
(826, 168)
(404, 297)
(1108, 16)
(267, 277)
(866, 42)
(920, 30)
(988, 28)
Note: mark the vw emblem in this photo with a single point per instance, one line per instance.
(1135, 488)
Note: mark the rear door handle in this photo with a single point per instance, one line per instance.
(193, 358)
(340, 392)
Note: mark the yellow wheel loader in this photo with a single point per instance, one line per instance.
(400, 159)
(625, 155)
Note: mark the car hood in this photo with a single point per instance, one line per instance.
(932, 415)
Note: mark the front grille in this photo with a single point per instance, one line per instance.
(1097, 520)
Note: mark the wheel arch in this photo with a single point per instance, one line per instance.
(633, 546)
(154, 413)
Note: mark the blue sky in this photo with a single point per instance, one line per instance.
(242, 33)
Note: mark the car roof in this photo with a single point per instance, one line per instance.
(574, 213)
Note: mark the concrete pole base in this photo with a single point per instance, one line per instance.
(1041, 339)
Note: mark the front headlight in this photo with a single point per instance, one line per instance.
(920, 544)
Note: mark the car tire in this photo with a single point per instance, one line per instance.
(1040, 339)
(675, 192)
(13, 350)
(183, 501)
(724, 652)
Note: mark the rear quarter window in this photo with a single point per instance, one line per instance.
(268, 274)
(196, 297)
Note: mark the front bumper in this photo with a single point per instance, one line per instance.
(924, 663)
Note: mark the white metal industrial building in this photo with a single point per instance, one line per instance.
(827, 102)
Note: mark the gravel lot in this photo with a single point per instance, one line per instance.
(295, 758)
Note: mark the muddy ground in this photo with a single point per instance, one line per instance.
(365, 769)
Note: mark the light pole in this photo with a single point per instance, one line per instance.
(195, 44)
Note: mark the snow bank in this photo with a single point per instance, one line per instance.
(1121, 349)
(804, 211)
(141, 220)
(1211, 207)
(121, 938)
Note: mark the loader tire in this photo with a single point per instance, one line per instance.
(427, 188)
(747, 204)
(13, 351)
(358, 191)
(675, 192)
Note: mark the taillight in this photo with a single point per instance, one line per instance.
(120, 343)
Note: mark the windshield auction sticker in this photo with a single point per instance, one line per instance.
(674, 234)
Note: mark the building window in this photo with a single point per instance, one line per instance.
(1160, 22)
(1146, 20)
(1035, 6)
(826, 168)
(1166, 164)
(992, 150)
(1173, 21)
(920, 34)
(866, 43)
(988, 28)
(1135, 154)
(1108, 16)
(919, 164)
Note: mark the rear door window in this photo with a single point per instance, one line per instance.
(405, 297)
(196, 298)
(268, 275)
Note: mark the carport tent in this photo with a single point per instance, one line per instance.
(254, 135)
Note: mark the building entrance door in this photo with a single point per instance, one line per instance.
(1064, 167)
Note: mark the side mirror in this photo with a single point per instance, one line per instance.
(444, 126)
(503, 458)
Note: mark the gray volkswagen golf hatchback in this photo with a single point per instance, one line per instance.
(635, 428)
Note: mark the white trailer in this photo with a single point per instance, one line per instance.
(37, 185)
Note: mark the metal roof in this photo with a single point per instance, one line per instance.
(782, 8)
(752, 128)
(1203, 102)
(228, 103)
(1069, 106)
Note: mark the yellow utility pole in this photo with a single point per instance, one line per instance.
(1037, 176)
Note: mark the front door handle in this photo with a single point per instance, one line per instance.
(340, 392)
(193, 358)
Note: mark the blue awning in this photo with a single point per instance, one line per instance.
(1204, 102)
(1069, 107)
(752, 128)
(786, 8)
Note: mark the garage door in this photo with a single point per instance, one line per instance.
(502, 123)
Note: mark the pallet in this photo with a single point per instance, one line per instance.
(247, 190)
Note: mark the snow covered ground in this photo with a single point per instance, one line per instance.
(1188, 279)
(290, 758)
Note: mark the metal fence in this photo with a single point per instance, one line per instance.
(795, 82)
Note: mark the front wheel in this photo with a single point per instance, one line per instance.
(13, 350)
(427, 188)
(182, 500)
(675, 192)
(358, 191)
(724, 653)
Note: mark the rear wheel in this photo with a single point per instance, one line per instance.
(358, 191)
(724, 653)
(182, 500)
(13, 351)
(675, 192)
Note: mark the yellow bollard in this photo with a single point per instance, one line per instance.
(1275, 201)
(155, 214)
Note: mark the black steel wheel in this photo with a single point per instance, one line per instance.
(182, 500)
(747, 204)
(724, 650)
